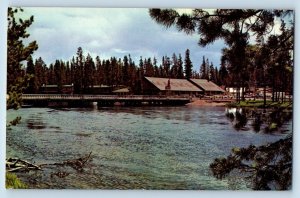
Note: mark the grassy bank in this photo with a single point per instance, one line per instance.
(260, 104)
(12, 182)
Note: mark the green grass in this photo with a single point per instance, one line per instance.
(13, 182)
(260, 104)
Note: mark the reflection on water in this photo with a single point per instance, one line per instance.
(270, 120)
(140, 148)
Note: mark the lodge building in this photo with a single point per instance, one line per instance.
(208, 87)
(169, 86)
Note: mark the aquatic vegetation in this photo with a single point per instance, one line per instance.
(12, 181)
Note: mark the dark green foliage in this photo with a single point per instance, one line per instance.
(277, 118)
(241, 120)
(15, 91)
(271, 61)
(203, 69)
(188, 65)
(180, 67)
(269, 121)
(30, 70)
(268, 166)
(257, 122)
(17, 52)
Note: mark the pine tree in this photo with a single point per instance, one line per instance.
(79, 72)
(58, 75)
(99, 71)
(17, 52)
(149, 70)
(125, 70)
(38, 74)
(180, 67)
(156, 69)
(217, 79)
(188, 65)
(174, 68)
(212, 72)
(73, 72)
(68, 74)
(223, 73)
(207, 74)
(30, 72)
(203, 69)
(89, 70)
(166, 64)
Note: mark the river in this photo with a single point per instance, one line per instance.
(132, 148)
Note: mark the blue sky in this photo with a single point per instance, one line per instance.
(111, 32)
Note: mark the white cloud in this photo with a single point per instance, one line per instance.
(108, 32)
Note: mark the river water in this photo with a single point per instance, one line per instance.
(132, 148)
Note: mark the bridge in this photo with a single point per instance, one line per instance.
(76, 100)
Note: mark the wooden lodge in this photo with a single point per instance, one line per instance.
(169, 86)
(208, 87)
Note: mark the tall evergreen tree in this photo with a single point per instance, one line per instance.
(38, 74)
(30, 71)
(100, 71)
(212, 72)
(188, 65)
(17, 52)
(149, 70)
(125, 70)
(79, 71)
(68, 74)
(58, 75)
(156, 69)
(180, 67)
(203, 69)
(89, 71)
(174, 68)
(223, 73)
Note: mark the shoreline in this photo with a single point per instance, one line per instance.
(206, 103)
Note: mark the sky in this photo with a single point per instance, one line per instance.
(108, 32)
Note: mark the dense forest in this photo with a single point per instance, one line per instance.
(84, 71)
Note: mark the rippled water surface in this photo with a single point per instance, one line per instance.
(132, 148)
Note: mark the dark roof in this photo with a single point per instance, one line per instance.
(175, 84)
(207, 85)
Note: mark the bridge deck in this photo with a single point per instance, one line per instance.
(101, 97)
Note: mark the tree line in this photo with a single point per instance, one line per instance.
(85, 72)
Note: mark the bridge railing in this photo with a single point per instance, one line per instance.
(96, 97)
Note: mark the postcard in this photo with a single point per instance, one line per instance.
(149, 98)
